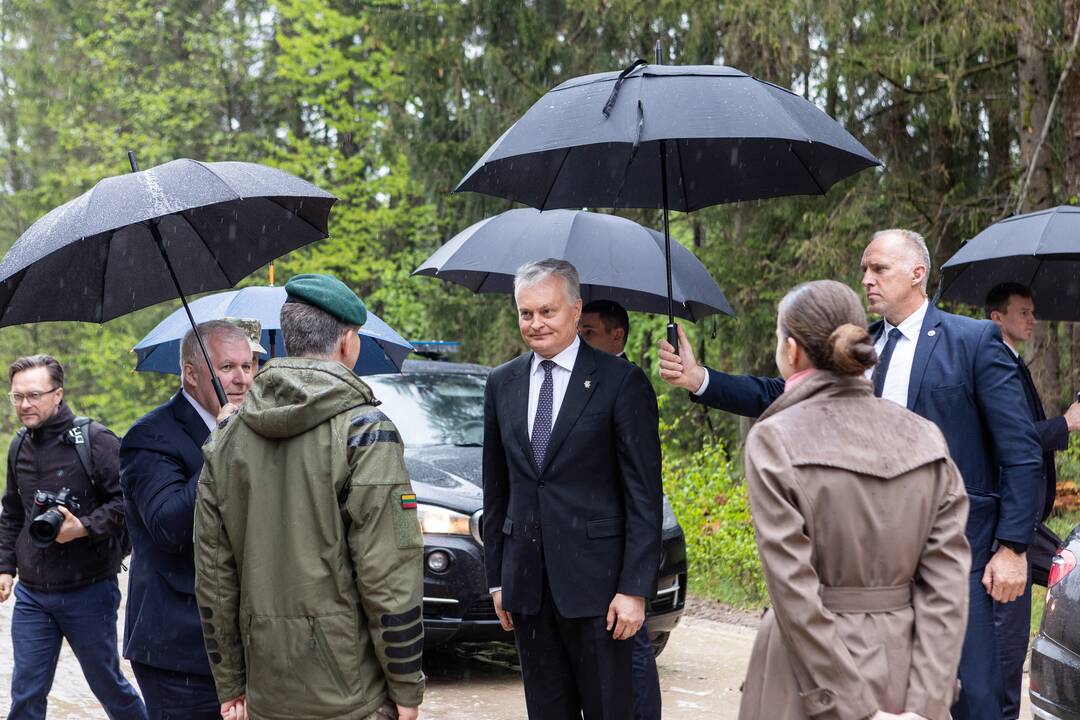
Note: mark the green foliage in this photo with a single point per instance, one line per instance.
(711, 504)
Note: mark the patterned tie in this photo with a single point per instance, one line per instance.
(541, 431)
(882, 366)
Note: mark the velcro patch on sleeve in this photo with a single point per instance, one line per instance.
(371, 437)
(408, 501)
(369, 418)
(402, 618)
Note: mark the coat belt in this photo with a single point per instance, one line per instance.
(866, 599)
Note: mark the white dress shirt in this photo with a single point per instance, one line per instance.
(210, 420)
(560, 378)
(898, 377)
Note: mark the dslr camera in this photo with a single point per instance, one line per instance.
(47, 519)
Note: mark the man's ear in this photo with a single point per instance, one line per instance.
(620, 335)
(995, 316)
(919, 272)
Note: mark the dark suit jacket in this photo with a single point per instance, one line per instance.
(966, 382)
(1053, 436)
(160, 461)
(590, 517)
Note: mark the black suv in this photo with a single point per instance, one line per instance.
(438, 408)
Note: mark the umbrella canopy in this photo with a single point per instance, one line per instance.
(95, 258)
(1040, 250)
(727, 135)
(657, 136)
(382, 350)
(617, 259)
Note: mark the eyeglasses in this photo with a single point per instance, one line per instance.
(34, 396)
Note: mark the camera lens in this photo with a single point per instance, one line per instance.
(45, 527)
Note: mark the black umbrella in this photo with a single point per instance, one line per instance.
(1040, 250)
(617, 259)
(142, 238)
(656, 136)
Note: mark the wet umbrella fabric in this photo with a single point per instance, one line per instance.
(659, 136)
(1040, 250)
(95, 258)
(617, 259)
(728, 137)
(382, 349)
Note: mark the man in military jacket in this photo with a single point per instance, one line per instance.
(309, 553)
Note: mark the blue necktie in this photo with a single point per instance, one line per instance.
(541, 431)
(882, 367)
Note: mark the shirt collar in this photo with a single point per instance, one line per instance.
(565, 359)
(210, 420)
(912, 324)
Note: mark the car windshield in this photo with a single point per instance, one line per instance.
(433, 408)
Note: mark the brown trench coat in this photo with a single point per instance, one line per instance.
(859, 514)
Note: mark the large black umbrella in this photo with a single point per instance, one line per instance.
(142, 238)
(657, 136)
(617, 259)
(1040, 250)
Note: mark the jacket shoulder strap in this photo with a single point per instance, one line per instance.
(79, 436)
(13, 453)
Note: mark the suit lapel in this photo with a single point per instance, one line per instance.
(929, 334)
(189, 419)
(517, 386)
(1032, 393)
(581, 388)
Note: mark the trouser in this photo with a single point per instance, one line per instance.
(86, 618)
(172, 695)
(980, 671)
(646, 679)
(572, 666)
(1012, 624)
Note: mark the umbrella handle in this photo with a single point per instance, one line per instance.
(673, 336)
(219, 390)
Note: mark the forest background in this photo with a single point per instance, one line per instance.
(387, 104)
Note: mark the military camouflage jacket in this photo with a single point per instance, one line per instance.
(308, 551)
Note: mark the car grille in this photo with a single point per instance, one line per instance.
(481, 609)
(667, 599)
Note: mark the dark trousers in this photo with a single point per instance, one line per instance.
(172, 695)
(86, 617)
(1012, 622)
(572, 666)
(980, 671)
(646, 679)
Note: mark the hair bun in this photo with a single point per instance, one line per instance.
(850, 350)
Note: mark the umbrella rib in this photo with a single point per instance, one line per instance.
(273, 199)
(221, 181)
(555, 180)
(809, 172)
(210, 250)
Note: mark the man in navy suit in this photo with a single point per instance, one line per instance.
(956, 372)
(1012, 307)
(160, 461)
(572, 504)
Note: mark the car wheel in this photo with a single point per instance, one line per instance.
(659, 642)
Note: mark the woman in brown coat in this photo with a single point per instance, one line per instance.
(860, 515)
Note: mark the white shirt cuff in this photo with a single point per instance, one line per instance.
(495, 590)
(704, 384)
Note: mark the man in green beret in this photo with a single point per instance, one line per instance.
(309, 554)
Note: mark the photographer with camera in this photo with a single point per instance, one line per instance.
(62, 530)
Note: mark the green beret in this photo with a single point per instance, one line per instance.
(329, 295)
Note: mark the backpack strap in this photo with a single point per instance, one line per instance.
(13, 453)
(79, 436)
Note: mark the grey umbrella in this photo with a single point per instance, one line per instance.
(1040, 250)
(141, 238)
(656, 136)
(617, 259)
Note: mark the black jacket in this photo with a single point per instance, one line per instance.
(589, 520)
(47, 461)
(1053, 436)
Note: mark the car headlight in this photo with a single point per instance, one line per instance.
(436, 520)
(670, 521)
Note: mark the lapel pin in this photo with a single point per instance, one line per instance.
(931, 333)
(588, 384)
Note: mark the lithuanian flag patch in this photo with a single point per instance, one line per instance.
(408, 501)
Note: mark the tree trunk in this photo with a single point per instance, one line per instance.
(1034, 95)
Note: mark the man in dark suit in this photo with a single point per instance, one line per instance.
(605, 325)
(1012, 307)
(955, 372)
(572, 504)
(160, 461)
